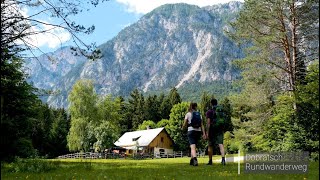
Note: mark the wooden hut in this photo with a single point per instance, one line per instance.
(151, 141)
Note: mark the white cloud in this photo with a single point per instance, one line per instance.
(51, 36)
(145, 6)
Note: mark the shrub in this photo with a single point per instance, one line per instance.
(31, 165)
(314, 156)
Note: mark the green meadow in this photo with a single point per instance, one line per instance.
(171, 168)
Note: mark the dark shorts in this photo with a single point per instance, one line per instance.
(194, 137)
(215, 138)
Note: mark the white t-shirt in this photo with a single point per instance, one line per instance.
(190, 128)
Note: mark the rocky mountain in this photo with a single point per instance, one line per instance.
(174, 45)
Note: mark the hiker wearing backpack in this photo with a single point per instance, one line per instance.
(215, 130)
(195, 126)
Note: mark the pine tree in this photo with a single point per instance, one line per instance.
(165, 106)
(283, 35)
(281, 39)
(136, 108)
(18, 109)
(174, 96)
(152, 109)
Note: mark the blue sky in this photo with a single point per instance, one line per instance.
(109, 19)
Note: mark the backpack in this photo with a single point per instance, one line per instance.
(220, 116)
(196, 119)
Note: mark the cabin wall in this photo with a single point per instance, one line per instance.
(162, 141)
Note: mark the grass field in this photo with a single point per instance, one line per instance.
(172, 168)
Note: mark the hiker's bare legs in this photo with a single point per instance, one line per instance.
(221, 149)
(193, 150)
(223, 160)
(193, 160)
(210, 152)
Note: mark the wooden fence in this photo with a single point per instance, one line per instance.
(165, 155)
(90, 155)
(86, 155)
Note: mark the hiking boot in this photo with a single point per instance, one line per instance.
(195, 161)
(210, 162)
(223, 161)
(191, 161)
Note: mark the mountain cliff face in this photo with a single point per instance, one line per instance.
(171, 46)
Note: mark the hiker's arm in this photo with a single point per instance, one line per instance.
(185, 123)
(204, 135)
(208, 126)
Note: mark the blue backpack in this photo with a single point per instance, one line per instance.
(196, 119)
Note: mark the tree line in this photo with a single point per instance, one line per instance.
(97, 122)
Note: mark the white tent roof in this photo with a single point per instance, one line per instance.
(140, 138)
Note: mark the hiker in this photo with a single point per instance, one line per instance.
(194, 123)
(214, 132)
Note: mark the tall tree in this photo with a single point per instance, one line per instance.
(174, 129)
(83, 110)
(174, 96)
(125, 122)
(106, 128)
(95, 122)
(58, 134)
(151, 107)
(140, 112)
(18, 102)
(277, 135)
(281, 39)
(227, 109)
(205, 104)
(41, 128)
(49, 131)
(252, 107)
(165, 106)
(283, 34)
(308, 100)
(136, 108)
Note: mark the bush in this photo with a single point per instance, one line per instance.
(24, 148)
(314, 156)
(31, 165)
